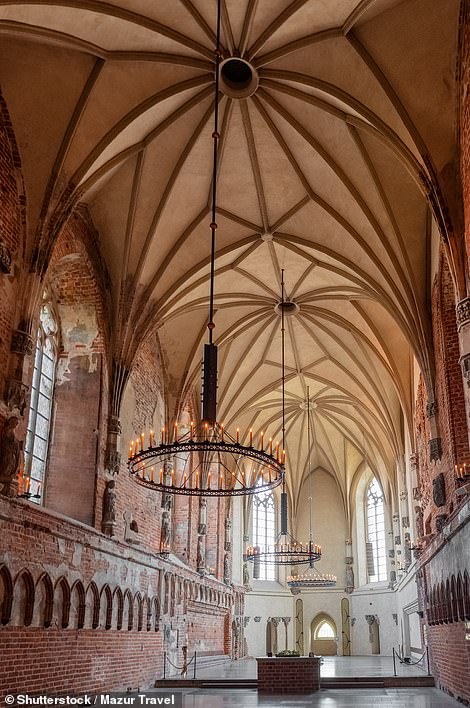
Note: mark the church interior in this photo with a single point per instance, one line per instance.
(235, 346)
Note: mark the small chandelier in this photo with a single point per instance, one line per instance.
(286, 549)
(206, 460)
(312, 578)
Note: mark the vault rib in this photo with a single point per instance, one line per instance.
(348, 184)
(67, 140)
(250, 139)
(333, 213)
(107, 9)
(274, 26)
(247, 26)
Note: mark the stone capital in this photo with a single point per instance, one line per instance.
(462, 311)
(435, 449)
(22, 343)
(5, 258)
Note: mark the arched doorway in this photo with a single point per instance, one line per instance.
(323, 635)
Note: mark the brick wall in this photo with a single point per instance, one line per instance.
(448, 649)
(298, 675)
(11, 229)
(98, 612)
(76, 286)
(450, 401)
(465, 119)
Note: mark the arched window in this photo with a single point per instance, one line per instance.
(264, 529)
(40, 411)
(325, 631)
(376, 562)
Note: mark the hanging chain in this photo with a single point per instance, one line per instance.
(215, 138)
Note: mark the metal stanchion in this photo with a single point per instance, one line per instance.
(394, 663)
(164, 665)
(194, 674)
(427, 660)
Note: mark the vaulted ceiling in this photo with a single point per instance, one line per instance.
(323, 171)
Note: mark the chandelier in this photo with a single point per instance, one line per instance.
(205, 459)
(286, 550)
(312, 578)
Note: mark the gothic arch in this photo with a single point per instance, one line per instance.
(92, 606)
(6, 595)
(77, 606)
(23, 599)
(43, 601)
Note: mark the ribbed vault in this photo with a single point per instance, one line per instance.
(327, 170)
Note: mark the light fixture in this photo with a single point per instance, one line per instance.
(286, 550)
(204, 459)
(312, 578)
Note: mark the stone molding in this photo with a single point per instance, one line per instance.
(462, 311)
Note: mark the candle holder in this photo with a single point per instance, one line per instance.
(205, 461)
(285, 551)
(312, 579)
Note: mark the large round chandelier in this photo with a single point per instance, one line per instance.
(205, 459)
(311, 579)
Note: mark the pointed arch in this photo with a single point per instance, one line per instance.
(6, 595)
(43, 602)
(23, 599)
(61, 603)
(106, 607)
(118, 608)
(77, 606)
(92, 606)
(128, 614)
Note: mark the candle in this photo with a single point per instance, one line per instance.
(222, 429)
(176, 432)
(206, 427)
(209, 480)
(151, 473)
(261, 435)
(251, 438)
(151, 438)
(172, 477)
(39, 489)
(197, 479)
(221, 486)
(184, 480)
(28, 482)
(141, 442)
(238, 435)
(161, 476)
(192, 430)
(163, 436)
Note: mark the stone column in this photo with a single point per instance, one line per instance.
(167, 506)
(112, 462)
(349, 567)
(286, 621)
(201, 538)
(435, 443)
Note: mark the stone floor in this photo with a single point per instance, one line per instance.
(370, 698)
(332, 666)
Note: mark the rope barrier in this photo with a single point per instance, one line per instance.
(180, 668)
(402, 660)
